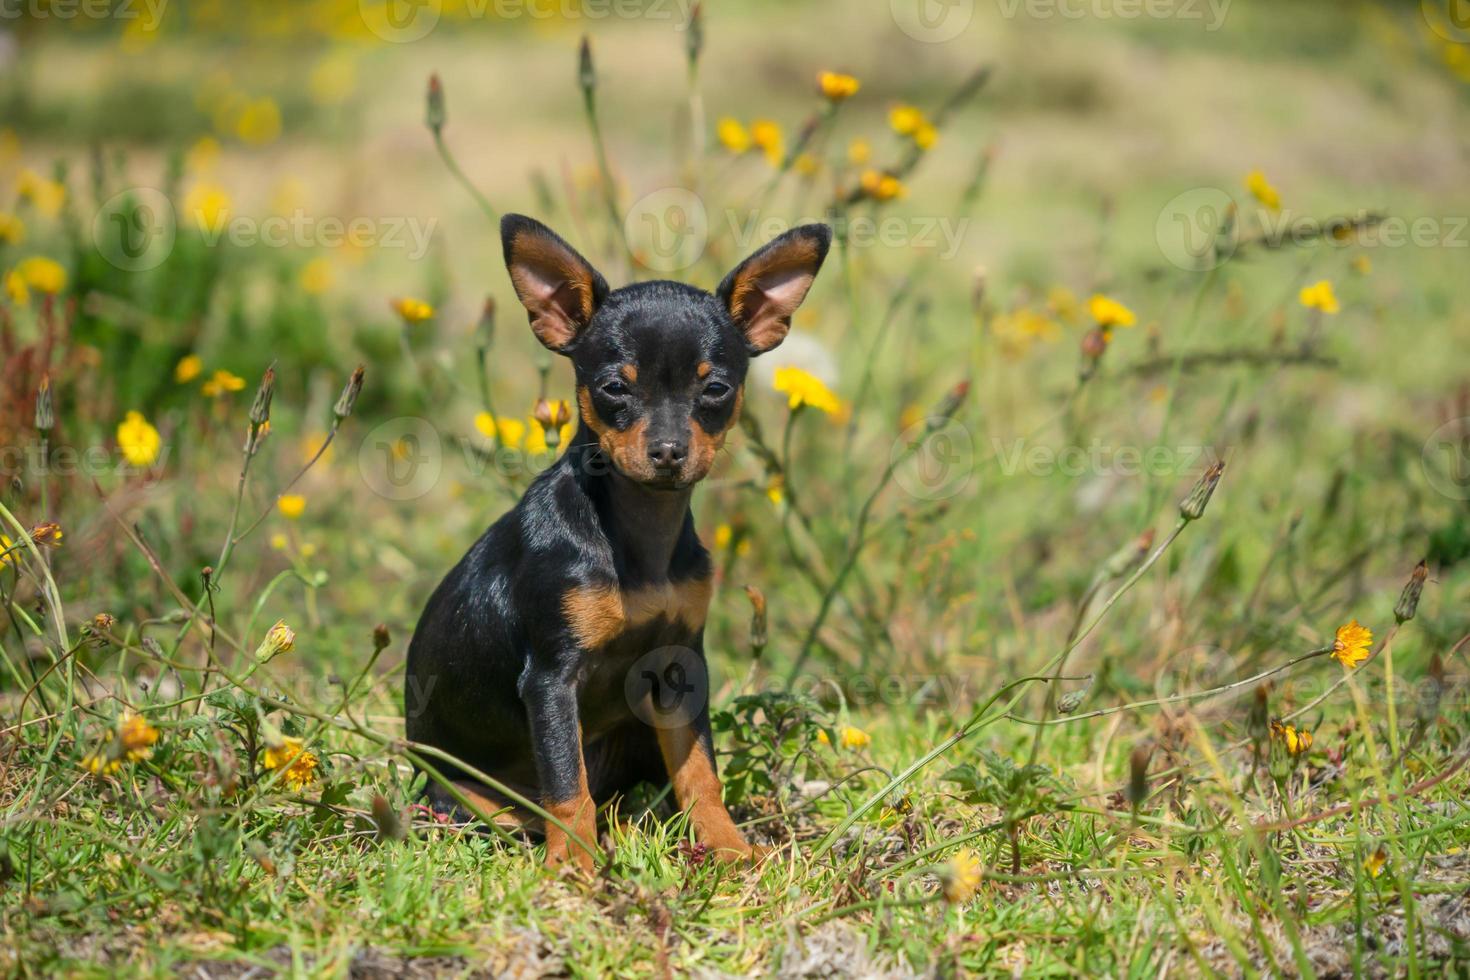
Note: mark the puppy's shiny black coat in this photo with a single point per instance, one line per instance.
(521, 661)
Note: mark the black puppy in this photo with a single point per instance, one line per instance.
(539, 659)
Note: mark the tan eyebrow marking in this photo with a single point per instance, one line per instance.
(629, 373)
(705, 367)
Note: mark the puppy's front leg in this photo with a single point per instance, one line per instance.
(556, 736)
(689, 756)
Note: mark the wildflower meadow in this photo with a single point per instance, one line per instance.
(1091, 562)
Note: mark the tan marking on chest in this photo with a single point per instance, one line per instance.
(597, 615)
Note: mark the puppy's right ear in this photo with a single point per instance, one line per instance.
(559, 289)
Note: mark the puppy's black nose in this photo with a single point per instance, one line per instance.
(667, 455)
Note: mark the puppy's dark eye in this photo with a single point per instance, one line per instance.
(615, 389)
(716, 389)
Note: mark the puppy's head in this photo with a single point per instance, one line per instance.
(660, 366)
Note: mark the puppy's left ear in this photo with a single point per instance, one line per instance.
(765, 290)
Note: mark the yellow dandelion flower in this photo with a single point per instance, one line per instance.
(136, 736)
(906, 120)
(1351, 645)
(776, 490)
(807, 165)
(549, 415)
(1110, 313)
(100, 763)
(853, 737)
(836, 87)
(293, 761)
(1296, 741)
(15, 288)
(42, 274)
(7, 550)
(733, 135)
(859, 152)
(138, 440)
(881, 186)
(259, 122)
(926, 136)
(962, 876)
(724, 534)
(412, 310)
(209, 206)
(46, 196)
(1319, 296)
(803, 388)
(823, 737)
(279, 541)
(1375, 862)
(291, 505)
(766, 134)
(1262, 191)
(316, 277)
(511, 432)
(190, 366)
(1363, 265)
(222, 382)
(12, 229)
(279, 639)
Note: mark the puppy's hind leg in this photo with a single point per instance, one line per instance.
(489, 804)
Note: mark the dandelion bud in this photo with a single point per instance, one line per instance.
(487, 324)
(1073, 699)
(349, 395)
(260, 410)
(1130, 556)
(435, 114)
(279, 639)
(1138, 762)
(381, 638)
(1408, 603)
(586, 74)
(45, 417)
(387, 821)
(48, 534)
(694, 35)
(945, 410)
(1192, 508)
(758, 623)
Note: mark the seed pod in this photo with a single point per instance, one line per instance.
(945, 410)
(386, 820)
(45, 416)
(260, 410)
(586, 74)
(694, 35)
(435, 115)
(759, 626)
(1138, 762)
(381, 637)
(1408, 603)
(349, 395)
(1192, 508)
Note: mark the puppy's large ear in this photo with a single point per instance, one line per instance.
(765, 289)
(559, 289)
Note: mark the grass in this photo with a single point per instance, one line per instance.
(995, 704)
